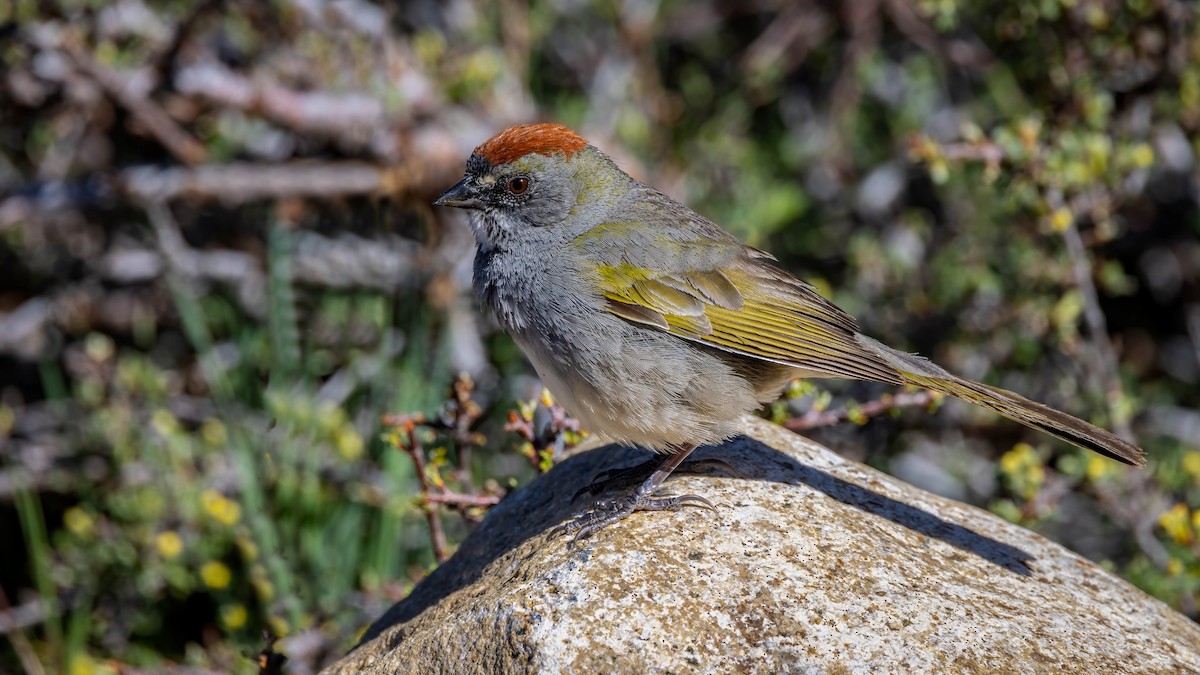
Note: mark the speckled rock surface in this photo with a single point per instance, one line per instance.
(810, 563)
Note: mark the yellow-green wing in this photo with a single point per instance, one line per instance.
(748, 308)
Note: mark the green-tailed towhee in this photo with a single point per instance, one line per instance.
(654, 326)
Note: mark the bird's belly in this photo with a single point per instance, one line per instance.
(639, 385)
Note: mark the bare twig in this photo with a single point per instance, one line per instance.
(230, 184)
(814, 419)
(983, 150)
(145, 110)
(433, 515)
(234, 184)
(321, 112)
(346, 261)
(456, 417)
(462, 413)
(462, 500)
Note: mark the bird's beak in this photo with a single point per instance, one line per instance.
(463, 196)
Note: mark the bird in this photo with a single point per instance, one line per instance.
(655, 327)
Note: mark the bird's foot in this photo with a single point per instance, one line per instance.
(643, 498)
(608, 511)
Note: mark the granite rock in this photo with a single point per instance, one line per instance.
(809, 563)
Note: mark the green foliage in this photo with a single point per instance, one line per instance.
(260, 507)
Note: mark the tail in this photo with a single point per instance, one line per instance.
(923, 373)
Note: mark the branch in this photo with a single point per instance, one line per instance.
(144, 109)
(461, 500)
(815, 419)
(457, 417)
(433, 514)
(233, 184)
(351, 117)
(229, 184)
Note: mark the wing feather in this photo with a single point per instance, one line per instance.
(752, 309)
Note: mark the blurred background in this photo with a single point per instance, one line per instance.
(219, 272)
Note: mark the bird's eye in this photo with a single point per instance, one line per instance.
(518, 185)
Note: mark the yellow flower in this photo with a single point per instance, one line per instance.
(1175, 521)
(264, 588)
(99, 347)
(1022, 455)
(209, 498)
(1028, 131)
(78, 521)
(169, 544)
(1096, 17)
(8, 418)
(349, 443)
(855, 415)
(1061, 219)
(1023, 470)
(216, 574)
(83, 664)
(164, 422)
(939, 170)
(213, 432)
(234, 616)
(1143, 155)
(221, 508)
(248, 548)
(429, 46)
(1099, 467)
(1037, 475)
(1174, 567)
(1191, 463)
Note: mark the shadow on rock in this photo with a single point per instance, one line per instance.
(768, 464)
(547, 501)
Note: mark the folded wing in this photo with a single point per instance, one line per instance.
(749, 308)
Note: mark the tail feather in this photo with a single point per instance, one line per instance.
(1038, 416)
(923, 373)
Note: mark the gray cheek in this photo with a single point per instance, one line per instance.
(548, 207)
